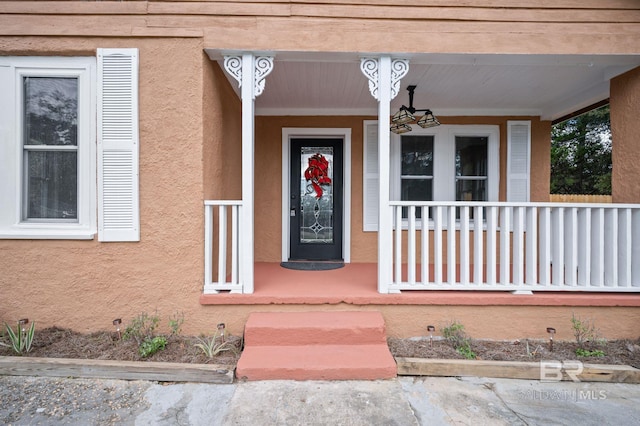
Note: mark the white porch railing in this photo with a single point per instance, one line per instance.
(516, 247)
(227, 238)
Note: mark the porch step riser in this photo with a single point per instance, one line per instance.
(316, 346)
(315, 328)
(324, 362)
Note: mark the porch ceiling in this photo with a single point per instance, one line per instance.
(551, 86)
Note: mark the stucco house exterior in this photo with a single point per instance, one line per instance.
(169, 156)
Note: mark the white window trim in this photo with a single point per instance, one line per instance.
(444, 179)
(12, 69)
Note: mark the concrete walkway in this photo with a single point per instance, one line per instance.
(402, 401)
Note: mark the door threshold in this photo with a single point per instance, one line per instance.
(312, 265)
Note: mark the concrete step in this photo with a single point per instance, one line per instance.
(315, 346)
(316, 362)
(314, 328)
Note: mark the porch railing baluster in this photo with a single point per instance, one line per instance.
(411, 247)
(505, 243)
(531, 242)
(611, 250)
(545, 247)
(584, 247)
(598, 248)
(518, 246)
(478, 252)
(451, 244)
(571, 246)
(624, 261)
(464, 245)
(492, 245)
(437, 245)
(398, 246)
(557, 248)
(635, 247)
(424, 245)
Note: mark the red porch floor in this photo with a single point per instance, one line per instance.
(356, 284)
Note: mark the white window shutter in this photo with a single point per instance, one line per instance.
(118, 147)
(518, 160)
(370, 203)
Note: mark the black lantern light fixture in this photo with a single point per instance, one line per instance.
(406, 115)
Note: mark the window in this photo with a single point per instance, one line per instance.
(48, 147)
(471, 168)
(446, 163)
(69, 147)
(416, 169)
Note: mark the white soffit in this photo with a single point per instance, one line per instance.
(325, 83)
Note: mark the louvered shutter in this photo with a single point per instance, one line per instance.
(118, 203)
(518, 160)
(370, 203)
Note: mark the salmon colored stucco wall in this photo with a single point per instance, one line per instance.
(481, 322)
(268, 172)
(221, 124)
(84, 285)
(625, 131)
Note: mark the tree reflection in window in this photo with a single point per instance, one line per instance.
(50, 142)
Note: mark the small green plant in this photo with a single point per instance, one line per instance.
(585, 352)
(584, 331)
(466, 351)
(142, 328)
(212, 346)
(216, 344)
(454, 333)
(175, 323)
(22, 338)
(151, 346)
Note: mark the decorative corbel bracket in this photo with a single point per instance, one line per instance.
(370, 67)
(262, 66)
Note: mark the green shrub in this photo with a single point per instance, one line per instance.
(454, 333)
(151, 346)
(142, 328)
(175, 323)
(584, 352)
(584, 331)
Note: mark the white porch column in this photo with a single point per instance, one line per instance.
(384, 76)
(250, 71)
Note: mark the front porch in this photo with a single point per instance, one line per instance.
(511, 245)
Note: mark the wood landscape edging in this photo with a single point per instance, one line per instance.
(517, 369)
(110, 369)
(224, 374)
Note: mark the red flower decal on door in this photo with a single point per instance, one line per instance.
(317, 173)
